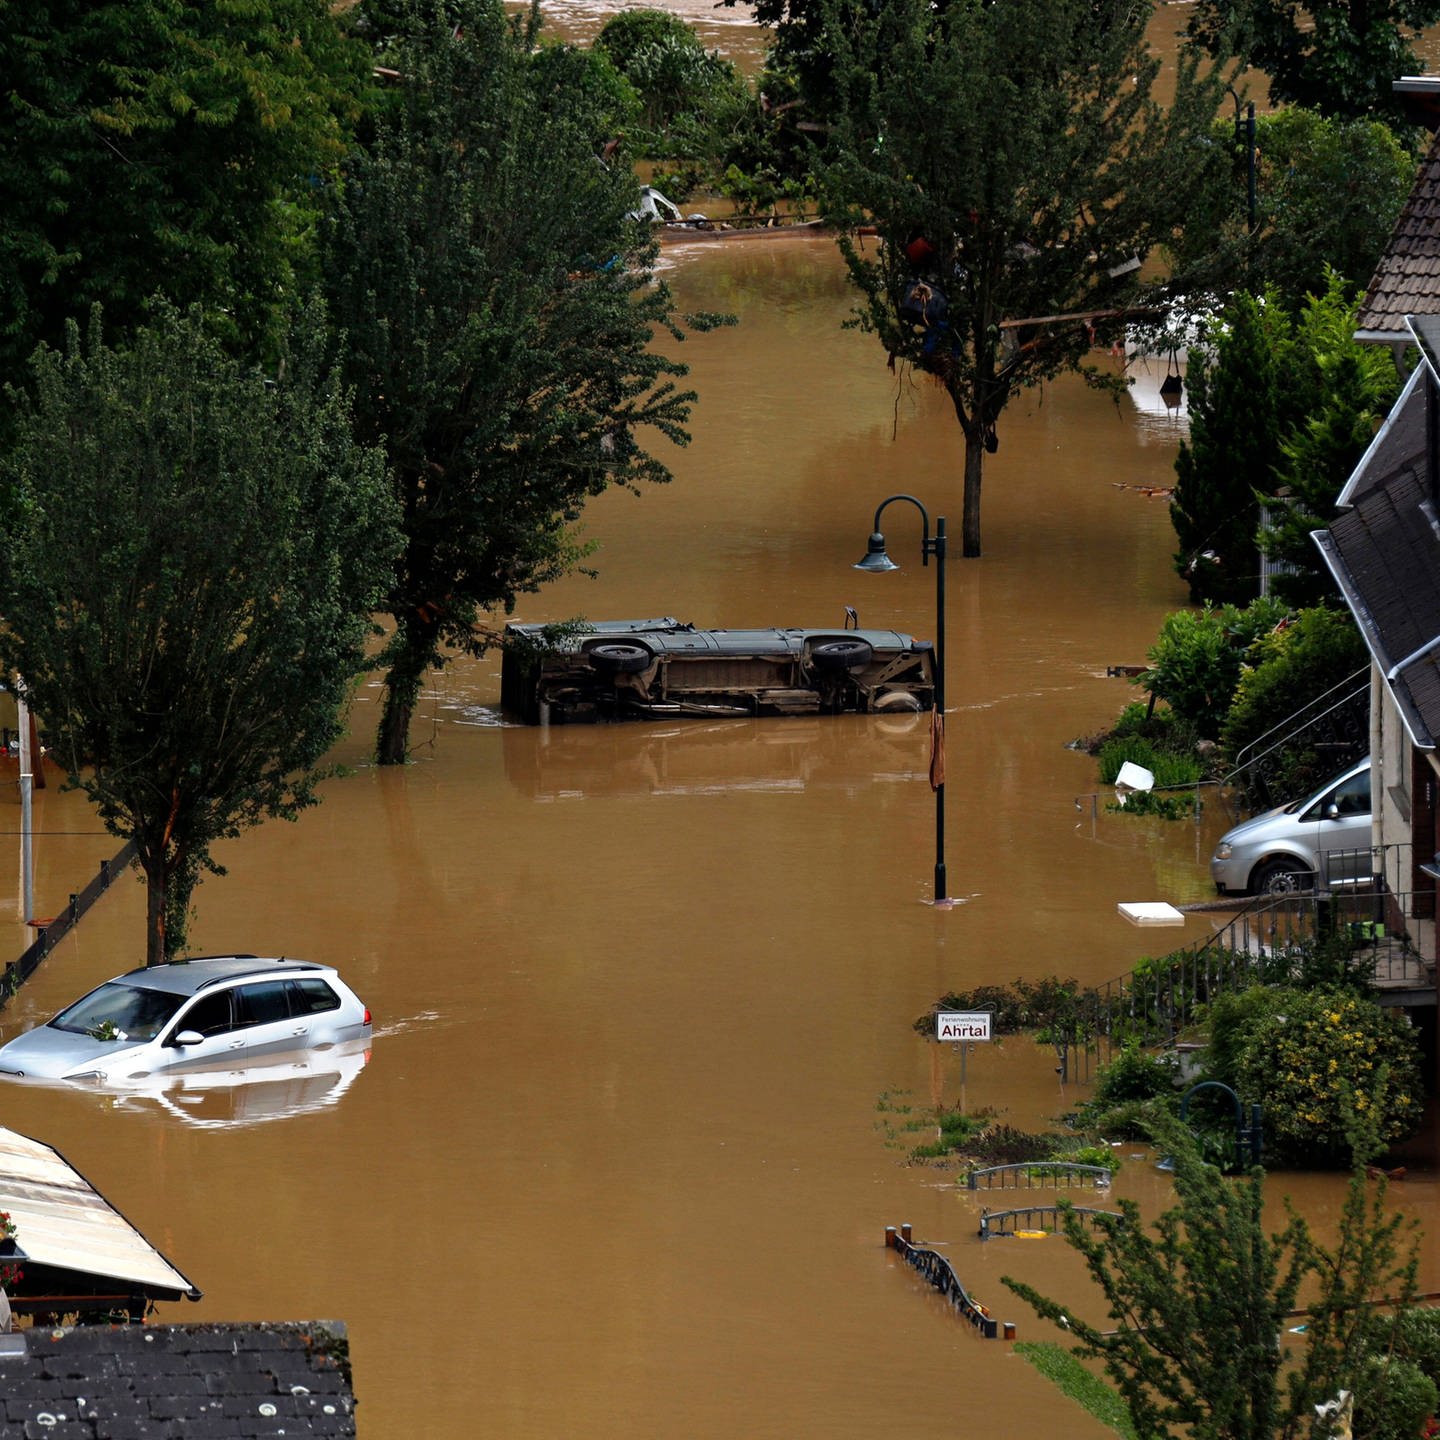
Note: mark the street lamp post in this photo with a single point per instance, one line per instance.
(877, 561)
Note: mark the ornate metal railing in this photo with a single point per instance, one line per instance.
(1335, 724)
(1270, 942)
(1037, 1174)
(1035, 1217)
(939, 1272)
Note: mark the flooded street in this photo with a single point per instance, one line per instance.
(623, 1154)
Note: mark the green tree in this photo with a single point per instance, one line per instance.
(496, 313)
(690, 99)
(154, 146)
(1335, 56)
(1319, 655)
(1352, 388)
(1018, 169)
(1197, 1303)
(186, 577)
(1238, 411)
(1327, 194)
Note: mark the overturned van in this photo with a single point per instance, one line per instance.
(660, 669)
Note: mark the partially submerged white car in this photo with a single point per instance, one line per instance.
(192, 1014)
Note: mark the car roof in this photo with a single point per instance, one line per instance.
(189, 977)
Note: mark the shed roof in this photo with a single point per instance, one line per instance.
(63, 1222)
(236, 1381)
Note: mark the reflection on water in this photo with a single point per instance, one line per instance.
(637, 989)
(211, 1098)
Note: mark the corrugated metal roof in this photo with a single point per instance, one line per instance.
(62, 1221)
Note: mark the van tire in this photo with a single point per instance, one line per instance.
(618, 659)
(1283, 877)
(842, 655)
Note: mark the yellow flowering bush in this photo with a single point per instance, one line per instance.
(1300, 1053)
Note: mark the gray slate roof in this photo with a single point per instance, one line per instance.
(164, 1382)
(1407, 279)
(1383, 548)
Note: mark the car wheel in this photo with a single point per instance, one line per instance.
(842, 655)
(1282, 877)
(619, 659)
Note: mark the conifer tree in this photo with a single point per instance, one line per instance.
(1229, 459)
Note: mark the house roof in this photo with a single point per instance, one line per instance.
(63, 1223)
(1407, 279)
(232, 1382)
(1384, 549)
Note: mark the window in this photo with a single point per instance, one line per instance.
(312, 997)
(136, 1014)
(210, 1015)
(262, 1004)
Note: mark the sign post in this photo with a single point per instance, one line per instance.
(962, 1027)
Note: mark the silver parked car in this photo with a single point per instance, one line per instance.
(1323, 839)
(218, 1010)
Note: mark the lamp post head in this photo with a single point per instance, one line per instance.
(876, 560)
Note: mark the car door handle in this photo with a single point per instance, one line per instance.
(301, 1030)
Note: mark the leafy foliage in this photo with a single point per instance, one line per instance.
(497, 314)
(1316, 1055)
(154, 147)
(1335, 56)
(1318, 655)
(1349, 389)
(187, 581)
(1013, 160)
(1196, 661)
(1196, 1302)
(687, 97)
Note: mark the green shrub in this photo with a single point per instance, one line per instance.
(1393, 1399)
(1196, 659)
(1308, 1055)
(1417, 1337)
(1135, 1074)
(1320, 652)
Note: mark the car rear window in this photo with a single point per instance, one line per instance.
(135, 1013)
(311, 997)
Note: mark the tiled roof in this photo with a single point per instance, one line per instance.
(1407, 279)
(164, 1382)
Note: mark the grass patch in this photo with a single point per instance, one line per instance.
(1087, 1390)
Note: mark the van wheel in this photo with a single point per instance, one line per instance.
(619, 659)
(902, 700)
(1282, 877)
(842, 655)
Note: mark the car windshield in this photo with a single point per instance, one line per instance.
(119, 1012)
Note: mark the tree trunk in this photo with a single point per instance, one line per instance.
(970, 521)
(414, 654)
(154, 910)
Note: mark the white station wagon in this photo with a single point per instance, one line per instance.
(218, 1010)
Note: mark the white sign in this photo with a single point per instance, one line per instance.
(962, 1025)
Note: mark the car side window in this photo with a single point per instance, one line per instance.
(1353, 797)
(312, 997)
(262, 1004)
(210, 1015)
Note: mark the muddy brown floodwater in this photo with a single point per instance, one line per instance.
(629, 1137)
